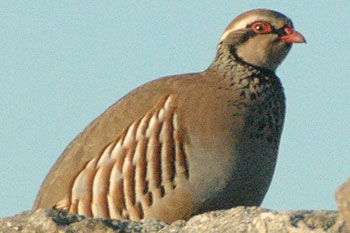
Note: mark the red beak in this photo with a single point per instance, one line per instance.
(292, 36)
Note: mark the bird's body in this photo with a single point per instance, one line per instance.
(179, 145)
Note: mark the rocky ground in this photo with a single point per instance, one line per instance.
(239, 219)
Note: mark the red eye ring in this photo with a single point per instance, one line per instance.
(261, 27)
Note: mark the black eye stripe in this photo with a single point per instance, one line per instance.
(279, 32)
(246, 34)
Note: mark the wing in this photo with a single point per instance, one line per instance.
(140, 167)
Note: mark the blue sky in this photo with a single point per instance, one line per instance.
(64, 62)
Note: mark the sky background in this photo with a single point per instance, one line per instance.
(62, 63)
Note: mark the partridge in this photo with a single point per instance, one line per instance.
(185, 144)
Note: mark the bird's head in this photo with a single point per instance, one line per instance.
(260, 37)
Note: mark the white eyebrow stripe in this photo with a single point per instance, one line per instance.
(244, 22)
(241, 24)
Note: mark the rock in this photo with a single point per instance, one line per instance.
(53, 220)
(254, 219)
(239, 219)
(343, 200)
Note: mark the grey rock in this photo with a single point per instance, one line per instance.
(239, 219)
(52, 220)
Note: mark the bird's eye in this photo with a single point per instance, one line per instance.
(261, 27)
